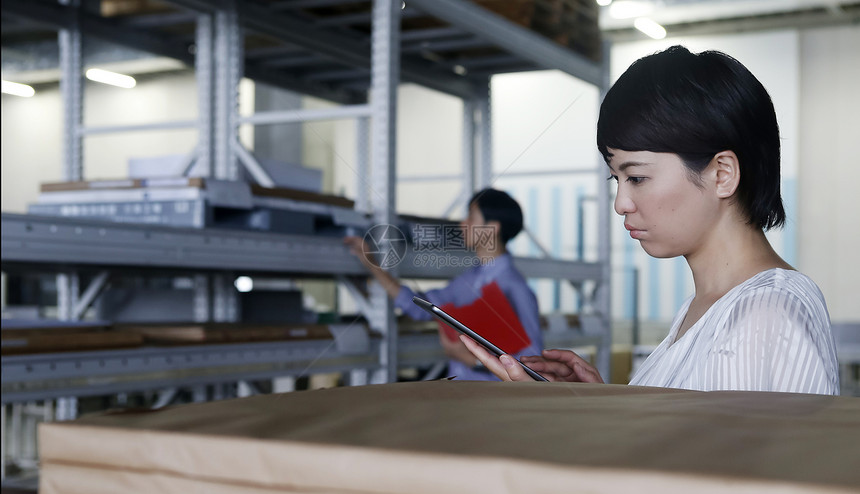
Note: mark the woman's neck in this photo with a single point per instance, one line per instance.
(733, 253)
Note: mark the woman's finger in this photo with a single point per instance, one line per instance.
(505, 367)
(489, 360)
(565, 356)
(514, 369)
(563, 365)
(561, 371)
(587, 373)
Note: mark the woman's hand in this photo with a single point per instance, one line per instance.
(555, 365)
(563, 366)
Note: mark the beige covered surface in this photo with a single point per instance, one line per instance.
(466, 437)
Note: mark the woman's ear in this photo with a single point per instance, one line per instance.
(728, 173)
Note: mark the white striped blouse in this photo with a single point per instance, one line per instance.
(770, 333)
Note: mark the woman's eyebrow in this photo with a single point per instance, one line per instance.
(628, 164)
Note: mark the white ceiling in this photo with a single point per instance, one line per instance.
(669, 12)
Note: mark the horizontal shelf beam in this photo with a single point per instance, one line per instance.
(113, 129)
(306, 115)
(55, 375)
(344, 49)
(57, 17)
(31, 239)
(514, 39)
(438, 264)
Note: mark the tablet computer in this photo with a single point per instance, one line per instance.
(450, 321)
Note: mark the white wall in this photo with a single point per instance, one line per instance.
(32, 138)
(829, 205)
(429, 133)
(32, 132)
(30, 147)
(547, 121)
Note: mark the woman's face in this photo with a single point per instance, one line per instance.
(669, 215)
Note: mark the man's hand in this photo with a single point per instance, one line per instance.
(456, 350)
(358, 248)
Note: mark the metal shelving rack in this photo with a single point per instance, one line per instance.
(342, 58)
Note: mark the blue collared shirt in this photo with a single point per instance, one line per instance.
(466, 288)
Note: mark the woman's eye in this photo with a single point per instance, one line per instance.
(635, 180)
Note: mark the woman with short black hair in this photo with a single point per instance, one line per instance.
(693, 143)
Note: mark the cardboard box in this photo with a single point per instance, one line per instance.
(465, 437)
(621, 364)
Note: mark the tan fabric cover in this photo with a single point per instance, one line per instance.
(465, 437)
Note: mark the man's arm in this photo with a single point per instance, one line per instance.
(389, 283)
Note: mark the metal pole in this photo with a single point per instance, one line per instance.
(202, 310)
(603, 292)
(3, 442)
(205, 89)
(89, 296)
(468, 151)
(362, 137)
(68, 290)
(385, 75)
(636, 328)
(258, 173)
(71, 89)
(228, 73)
(224, 298)
(485, 132)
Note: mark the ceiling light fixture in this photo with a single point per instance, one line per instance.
(603, 3)
(627, 9)
(111, 78)
(17, 89)
(244, 284)
(650, 27)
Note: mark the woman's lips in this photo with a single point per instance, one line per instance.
(634, 232)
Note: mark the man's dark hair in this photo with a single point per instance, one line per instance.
(695, 106)
(497, 205)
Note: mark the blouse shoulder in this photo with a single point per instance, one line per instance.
(780, 293)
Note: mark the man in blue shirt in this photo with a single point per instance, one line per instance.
(489, 210)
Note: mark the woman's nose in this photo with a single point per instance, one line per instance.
(623, 204)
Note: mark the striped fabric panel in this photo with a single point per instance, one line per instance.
(770, 333)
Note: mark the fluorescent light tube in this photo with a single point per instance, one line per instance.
(627, 9)
(17, 89)
(111, 78)
(650, 27)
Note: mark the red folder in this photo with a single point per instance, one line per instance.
(492, 317)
